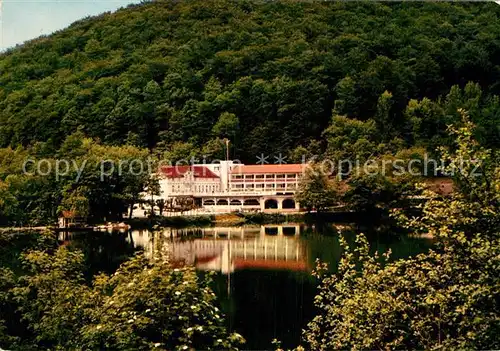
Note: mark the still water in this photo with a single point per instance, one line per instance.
(263, 273)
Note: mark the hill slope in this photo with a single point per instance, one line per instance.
(267, 75)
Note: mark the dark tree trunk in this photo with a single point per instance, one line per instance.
(131, 211)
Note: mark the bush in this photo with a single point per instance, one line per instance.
(445, 299)
(144, 305)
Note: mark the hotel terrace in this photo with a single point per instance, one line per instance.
(229, 186)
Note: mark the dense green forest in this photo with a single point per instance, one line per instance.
(175, 76)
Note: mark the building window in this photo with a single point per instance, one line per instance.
(269, 176)
(259, 176)
(281, 185)
(249, 186)
(291, 176)
(259, 185)
(249, 176)
(237, 177)
(280, 176)
(269, 186)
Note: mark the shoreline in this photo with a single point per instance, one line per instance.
(229, 219)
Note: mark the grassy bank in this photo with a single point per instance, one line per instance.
(208, 220)
(272, 218)
(239, 219)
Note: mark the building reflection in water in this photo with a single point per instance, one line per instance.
(227, 249)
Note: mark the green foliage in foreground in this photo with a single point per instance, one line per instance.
(144, 305)
(445, 299)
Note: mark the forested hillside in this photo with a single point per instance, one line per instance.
(88, 113)
(174, 76)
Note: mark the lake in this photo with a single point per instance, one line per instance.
(262, 273)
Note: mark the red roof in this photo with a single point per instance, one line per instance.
(261, 169)
(180, 171)
(68, 214)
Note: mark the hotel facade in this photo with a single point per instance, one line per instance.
(228, 186)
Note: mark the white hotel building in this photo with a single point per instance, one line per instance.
(229, 186)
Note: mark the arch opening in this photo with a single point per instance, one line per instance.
(288, 204)
(235, 202)
(271, 230)
(209, 203)
(222, 202)
(251, 202)
(271, 204)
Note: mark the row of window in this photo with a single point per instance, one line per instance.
(264, 176)
(262, 186)
(196, 188)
